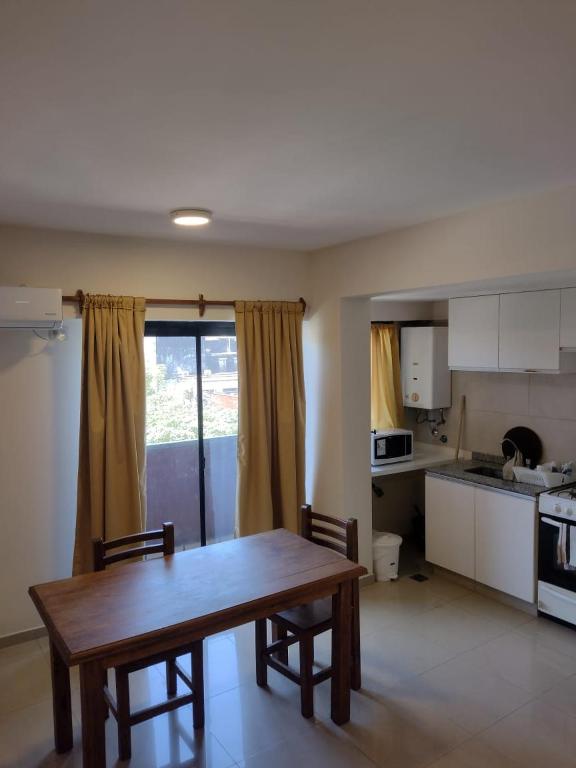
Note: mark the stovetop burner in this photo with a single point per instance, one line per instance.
(568, 492)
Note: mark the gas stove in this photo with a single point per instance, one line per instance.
(557, 555)
(560, 503)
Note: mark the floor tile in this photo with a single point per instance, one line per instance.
(497, 613)
(474, 698)
(248, 720)
(551, 635)
(562, 696)
(391, 655)
(474, 753)
(394, 742)
(323, 748)
(26, 740)
(536, 735)
(453, 628)
(523, 661)
(24, 676)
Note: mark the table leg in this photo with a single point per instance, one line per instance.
(93, 716)
(61, 702)
(341, 635)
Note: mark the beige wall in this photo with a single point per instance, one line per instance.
(528, 236)
(536, 234)
(142, 267)
(401, 311)
(40, 381)
(495, 402)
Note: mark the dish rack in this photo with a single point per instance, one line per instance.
(539, 477)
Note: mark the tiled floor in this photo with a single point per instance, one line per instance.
(450, 680)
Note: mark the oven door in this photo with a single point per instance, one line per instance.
(557, 552)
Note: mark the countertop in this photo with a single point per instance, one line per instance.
(456, 470)
(424, 455)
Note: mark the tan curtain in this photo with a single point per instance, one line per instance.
(271, 416)
(111, 469)
(386, 396)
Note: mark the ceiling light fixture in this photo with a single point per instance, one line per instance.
(191, 217)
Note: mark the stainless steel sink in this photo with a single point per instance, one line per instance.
(486, 472)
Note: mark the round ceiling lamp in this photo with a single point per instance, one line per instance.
(191, 217)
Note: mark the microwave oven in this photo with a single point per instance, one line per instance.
(391, 445)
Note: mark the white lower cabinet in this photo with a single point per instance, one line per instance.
(450, 525)
(482, 534)
(505, 543)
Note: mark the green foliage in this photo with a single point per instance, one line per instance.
(171, 410)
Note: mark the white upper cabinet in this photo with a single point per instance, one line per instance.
(568, 317)
(526, 331)
(530, 330)
(473, 332)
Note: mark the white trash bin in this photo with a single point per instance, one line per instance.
(386, 554)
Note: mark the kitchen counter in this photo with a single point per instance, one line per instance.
(456, 470)
(424, 455)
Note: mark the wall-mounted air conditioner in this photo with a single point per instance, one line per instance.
(30, 307)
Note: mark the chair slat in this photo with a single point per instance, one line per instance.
(325, 519)
(133, 538)
(330, 544)
(134, 552)
(327, 532)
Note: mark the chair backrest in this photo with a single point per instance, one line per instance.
(332, 532)
(100, 548)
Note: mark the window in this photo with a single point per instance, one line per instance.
(191, 429)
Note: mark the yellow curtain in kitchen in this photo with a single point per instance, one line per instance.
(271, 415)
(386, 387)
(111, 469)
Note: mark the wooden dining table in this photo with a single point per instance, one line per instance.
(154, 606)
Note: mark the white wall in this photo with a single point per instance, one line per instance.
(533, 235)
(401, 311)
(39, 414)
(40, 385)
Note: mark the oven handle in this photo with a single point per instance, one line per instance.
(558, 595)
(551, 522)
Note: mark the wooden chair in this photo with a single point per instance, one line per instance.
(120, 707)
(303, 623)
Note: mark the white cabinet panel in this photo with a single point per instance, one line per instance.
(505, 543)
(473, 332)
(530, 330)
(450, 525)
(568, 317)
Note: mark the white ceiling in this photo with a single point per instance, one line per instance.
(301, 123)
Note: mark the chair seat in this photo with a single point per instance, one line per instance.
(316, 615)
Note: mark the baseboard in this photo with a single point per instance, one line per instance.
(22, 637)
(367, 579)
(489, 592)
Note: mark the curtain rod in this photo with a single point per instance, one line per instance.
(200, 302)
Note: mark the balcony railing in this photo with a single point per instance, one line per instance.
(173, 488)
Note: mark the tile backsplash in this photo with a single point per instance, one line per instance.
(495, 402)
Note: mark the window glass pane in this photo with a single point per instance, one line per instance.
(220, 420)
(172, 465)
